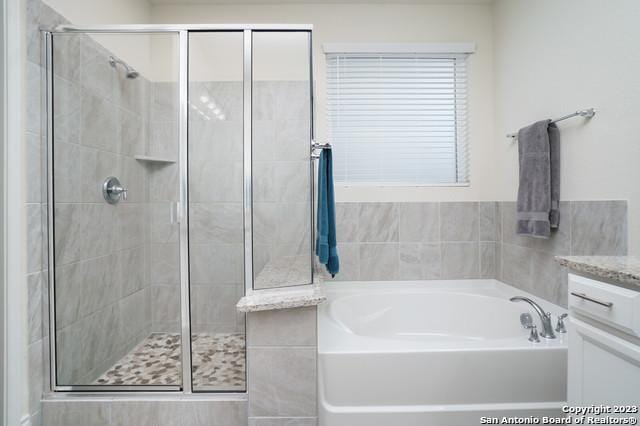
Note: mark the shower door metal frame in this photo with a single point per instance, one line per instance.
(182, 31)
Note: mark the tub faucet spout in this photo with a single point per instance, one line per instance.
(545, 318)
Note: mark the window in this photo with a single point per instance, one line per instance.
(398, 118)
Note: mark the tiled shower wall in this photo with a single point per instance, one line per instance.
(457, 240)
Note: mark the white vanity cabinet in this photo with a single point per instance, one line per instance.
(604, 343)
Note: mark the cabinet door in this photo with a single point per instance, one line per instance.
(603, 368)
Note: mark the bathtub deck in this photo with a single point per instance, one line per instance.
(218, 362)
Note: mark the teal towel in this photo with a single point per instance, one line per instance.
(326, 244)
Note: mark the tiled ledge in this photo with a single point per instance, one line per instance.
(282, 298)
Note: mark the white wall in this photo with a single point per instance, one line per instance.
(219, 56)
(3, 109)
(332, 23)
(553, 57)
(384, 23)
(103, 12)
(15, 389)
(134, 49)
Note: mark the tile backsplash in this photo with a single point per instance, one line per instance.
(458, 240)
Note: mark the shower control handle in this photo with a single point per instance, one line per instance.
(113, 191)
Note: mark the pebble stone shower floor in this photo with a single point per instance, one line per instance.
(218, 362)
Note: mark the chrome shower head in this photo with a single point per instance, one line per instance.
(130, 72)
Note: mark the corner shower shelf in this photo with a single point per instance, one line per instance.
(159, 160)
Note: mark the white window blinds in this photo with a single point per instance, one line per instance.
(398, 118)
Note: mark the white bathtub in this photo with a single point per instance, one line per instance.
(433, 353)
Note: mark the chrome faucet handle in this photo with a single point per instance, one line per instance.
(560, 327)
(545, 317)
(120, 190)
(533, 336)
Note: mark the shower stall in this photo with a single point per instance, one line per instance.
(179, 179)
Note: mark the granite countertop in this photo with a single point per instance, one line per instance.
(282, 298)
(623, 269)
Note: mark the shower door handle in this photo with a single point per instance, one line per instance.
(174, 215)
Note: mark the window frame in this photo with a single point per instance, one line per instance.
(454, 50)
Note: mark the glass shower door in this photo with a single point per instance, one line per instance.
(216, 224)
(178, 177)
(114, 182)
(281, 128)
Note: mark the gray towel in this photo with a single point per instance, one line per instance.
(554, 159)
(539, 189)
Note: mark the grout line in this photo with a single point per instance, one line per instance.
(101, 309)
(500, 273)
(571, 205)
(111, 253)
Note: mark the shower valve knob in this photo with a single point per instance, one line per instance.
(112, 190)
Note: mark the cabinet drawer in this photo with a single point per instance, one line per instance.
(616, 306)
(603, 368)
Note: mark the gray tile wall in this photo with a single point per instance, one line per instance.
(412, 241)
(586, 228)
(282, 347)
(456, 240)
(162, 412)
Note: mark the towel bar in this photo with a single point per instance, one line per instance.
(315, 146)
(586, 113)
